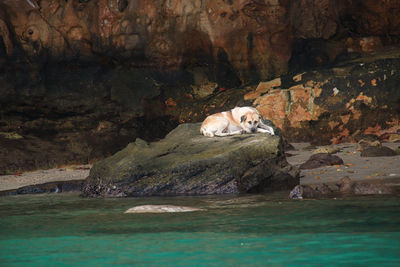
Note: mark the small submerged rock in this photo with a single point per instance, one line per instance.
(345, 187)
(306, 191)
(161, 209)
(301, 191)
(321, 159)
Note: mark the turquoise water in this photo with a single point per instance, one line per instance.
(256, 230)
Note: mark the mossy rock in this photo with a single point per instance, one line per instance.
(187, 163)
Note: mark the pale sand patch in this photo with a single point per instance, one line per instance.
(68, 173)
(357, 168)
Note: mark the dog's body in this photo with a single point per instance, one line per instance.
(236, 121)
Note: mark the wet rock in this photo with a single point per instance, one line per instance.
(378, 151)
(302, 191)
(187, 163)
(347, 186)
(321, 159)
(323, 189)
(161, 209)
(307, 191)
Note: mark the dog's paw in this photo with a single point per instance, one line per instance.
(209, 134)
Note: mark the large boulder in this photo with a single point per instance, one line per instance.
(187, 163)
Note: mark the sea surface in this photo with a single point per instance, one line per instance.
(249, 230)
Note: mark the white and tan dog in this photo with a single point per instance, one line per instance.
(236, 121)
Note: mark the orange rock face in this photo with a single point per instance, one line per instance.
(293, 105)
(332, 109)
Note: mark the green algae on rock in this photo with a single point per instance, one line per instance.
(187, 163)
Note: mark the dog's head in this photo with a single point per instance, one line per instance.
(250, 122)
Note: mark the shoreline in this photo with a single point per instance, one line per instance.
(370, 169)
(42, 177)
(357, 168)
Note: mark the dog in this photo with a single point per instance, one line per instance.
(236, 121)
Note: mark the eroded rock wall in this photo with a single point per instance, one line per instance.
(250, 39)
(79, 79)
(244, 38)
(334, 105)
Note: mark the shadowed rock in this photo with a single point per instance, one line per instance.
(365, 143)
(302, 191)
(378, 151)
(187, 163)
(323, 189)
(347, 186)
(306, 191)
(321, 159)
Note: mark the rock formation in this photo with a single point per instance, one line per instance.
(336, 104)
(321, 159)
(378, 151)
(313, 191)
(80, 79)
(347, 186)
(187, 163)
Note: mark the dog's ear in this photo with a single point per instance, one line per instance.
(243, 118)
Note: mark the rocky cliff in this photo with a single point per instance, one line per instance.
(79, 79)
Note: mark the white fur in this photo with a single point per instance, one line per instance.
(231, 123)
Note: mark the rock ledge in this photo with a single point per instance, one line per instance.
(187, 163)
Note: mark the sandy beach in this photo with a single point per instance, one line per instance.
(68, 173)
(357, 168)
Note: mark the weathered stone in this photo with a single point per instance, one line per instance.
(263, 88)
(378, 151)
(302, 191)
(323, 189)
(311, 24)
(321, 159)
(347, 186)
(307, 191)
(360, 100)
(187, 163)
(310, 191)
(365, 143)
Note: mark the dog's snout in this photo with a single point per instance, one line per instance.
(253, 130)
